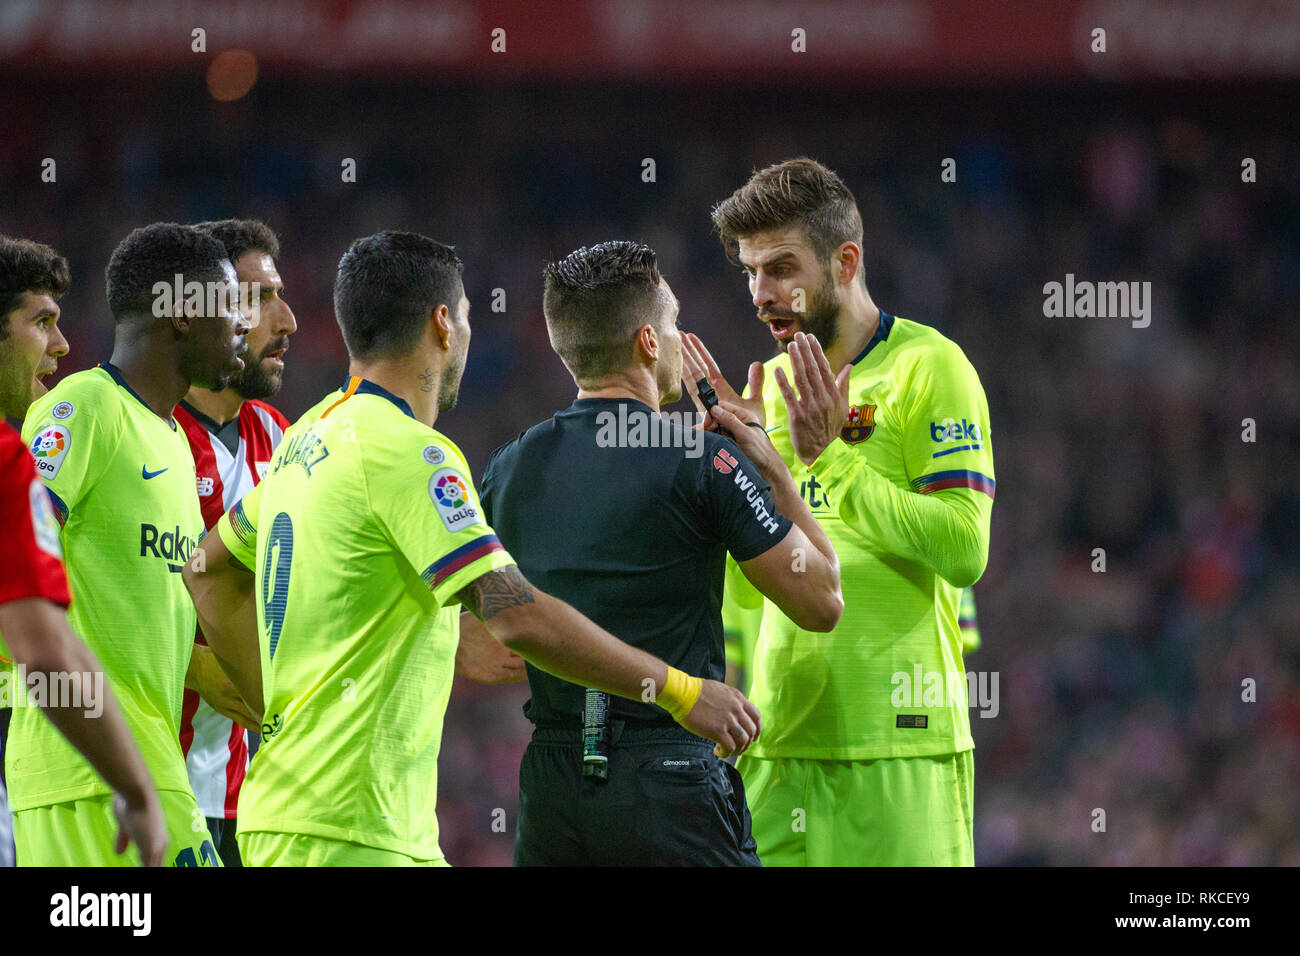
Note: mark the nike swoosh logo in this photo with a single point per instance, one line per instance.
(146, 474)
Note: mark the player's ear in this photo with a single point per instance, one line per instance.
(180, 316)
(440, 319)
(848, 260)
(648, 342)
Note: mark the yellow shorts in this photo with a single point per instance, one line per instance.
(264, 848)
(83, 832)
(904, 811)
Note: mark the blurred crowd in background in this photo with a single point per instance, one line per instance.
(1119, 690)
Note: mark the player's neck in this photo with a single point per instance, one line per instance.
(858, 323)
(221, 407)
(153, 373)
(419, 389)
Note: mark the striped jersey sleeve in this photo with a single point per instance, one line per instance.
(426, 500)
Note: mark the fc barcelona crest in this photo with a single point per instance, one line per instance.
(859, 424)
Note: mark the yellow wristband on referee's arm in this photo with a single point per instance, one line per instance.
(679, 693)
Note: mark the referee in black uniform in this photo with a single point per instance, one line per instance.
(628, 516)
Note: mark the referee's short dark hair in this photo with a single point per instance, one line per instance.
(27, 266)
(388, 285)
(595, 299)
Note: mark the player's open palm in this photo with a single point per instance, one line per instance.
(725, 716)
(142, 825)
(697, 363)
(817, 413)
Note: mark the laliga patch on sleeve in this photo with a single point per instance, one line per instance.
(450, 493)
(49, 448)
(45, 527)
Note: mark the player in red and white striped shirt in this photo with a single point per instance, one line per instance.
(232, 435)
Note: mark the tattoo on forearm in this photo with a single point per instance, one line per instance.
(496, 591)
(426, 380)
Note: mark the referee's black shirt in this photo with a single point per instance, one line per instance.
(635, 537)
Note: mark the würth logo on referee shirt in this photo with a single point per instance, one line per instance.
(724, 461)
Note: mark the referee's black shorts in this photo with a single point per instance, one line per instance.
(667, 801)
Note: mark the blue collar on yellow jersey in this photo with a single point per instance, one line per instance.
(882, 332)
(367, 387)
(115, 374)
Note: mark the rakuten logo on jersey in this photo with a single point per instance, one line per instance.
(172, 546)
(952, 430)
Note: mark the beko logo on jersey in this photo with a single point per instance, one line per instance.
(952, 430)
(306, 449)
(172, 546)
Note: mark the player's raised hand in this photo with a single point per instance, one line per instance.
(698, 364)
(817, 414)
(753, 441)
(725, 716)
(140, 821)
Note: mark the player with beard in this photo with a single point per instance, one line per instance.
(868, 740)
(121, 477)
(232, 435)
(366, 538)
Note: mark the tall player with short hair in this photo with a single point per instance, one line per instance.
(366, 538)
(232, 435)
(893, 455)
(33, 586)
(121, 477)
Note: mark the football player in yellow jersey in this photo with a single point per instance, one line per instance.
(866, 758)
(33, 585)
(367, 537)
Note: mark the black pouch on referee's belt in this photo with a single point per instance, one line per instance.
(595, 735)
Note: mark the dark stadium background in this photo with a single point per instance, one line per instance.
(1119, 690)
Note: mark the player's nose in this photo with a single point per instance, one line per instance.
(58, 346)
(287, 324)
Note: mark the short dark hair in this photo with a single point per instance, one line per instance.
(158, 253)
(387, 286)
(798, 192)
(242, 235)
(594, 300)
(27, 266)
